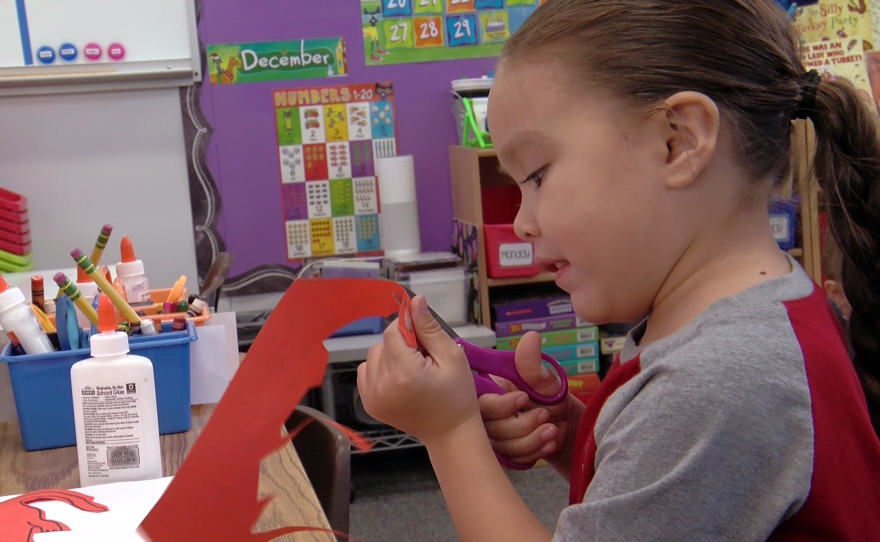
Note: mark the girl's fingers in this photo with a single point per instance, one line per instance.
(520, 425)
(528, 445)
(501, 407)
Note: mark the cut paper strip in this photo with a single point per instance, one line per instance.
(214, 494)
(19, 521)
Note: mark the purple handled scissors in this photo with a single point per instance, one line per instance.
(486, 361)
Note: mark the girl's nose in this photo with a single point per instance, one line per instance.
(524, 225)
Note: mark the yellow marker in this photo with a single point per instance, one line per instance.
(83, 262)
(45, 323)
(68, 288)
(177, 290)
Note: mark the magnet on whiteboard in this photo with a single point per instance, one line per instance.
(46, 54)
(93, 51)
(67, 52)
(116, 51)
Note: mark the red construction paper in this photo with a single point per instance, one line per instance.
(19, 522)
(214, 494)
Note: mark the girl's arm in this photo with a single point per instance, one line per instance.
(482, 502)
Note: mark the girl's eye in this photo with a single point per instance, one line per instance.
(537, 177)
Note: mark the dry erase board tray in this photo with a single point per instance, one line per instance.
(97, 77)
(44, 401)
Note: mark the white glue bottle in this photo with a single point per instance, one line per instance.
(89, 291)
(114, 409)
(17, 317)
(131, 272)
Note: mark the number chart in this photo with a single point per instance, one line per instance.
(401, 31)
(328, 139)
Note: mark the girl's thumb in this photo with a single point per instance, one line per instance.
(531, 367)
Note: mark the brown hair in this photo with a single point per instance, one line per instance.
(743, 54)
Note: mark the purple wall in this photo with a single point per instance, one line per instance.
(242, 154)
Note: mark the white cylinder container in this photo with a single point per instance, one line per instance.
(400, 214)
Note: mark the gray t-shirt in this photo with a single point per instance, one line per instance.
(712, 438)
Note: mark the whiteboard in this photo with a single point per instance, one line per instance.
(50, 46)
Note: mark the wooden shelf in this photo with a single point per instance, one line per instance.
(543, 276)
(486, 153)
(796, 252)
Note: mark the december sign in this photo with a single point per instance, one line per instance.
(276, 61)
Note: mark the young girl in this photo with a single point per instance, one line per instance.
(647, 136)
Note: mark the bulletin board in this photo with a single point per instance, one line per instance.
(401, 31)
(241, 190)
(328, 139)
(59, 45)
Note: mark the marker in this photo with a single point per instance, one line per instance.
(37, 291)
(101, 243)
(17, 350)
(70, 290)
(45, 323)
(182, 306)
(177, 290)
(168, 308)
(198, 307)
(106, 287)
(157, 325)
(179, 324)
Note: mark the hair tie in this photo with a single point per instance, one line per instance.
(804, 105)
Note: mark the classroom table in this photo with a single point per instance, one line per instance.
(281, 475)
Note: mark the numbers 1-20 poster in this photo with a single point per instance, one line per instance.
(328, 139)
(400, 31)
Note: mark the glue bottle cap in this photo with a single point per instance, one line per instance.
(3, 285)
(126, 250)
(109, 342)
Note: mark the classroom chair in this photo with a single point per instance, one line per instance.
(325, 453)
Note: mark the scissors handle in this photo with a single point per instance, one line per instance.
(485, 362)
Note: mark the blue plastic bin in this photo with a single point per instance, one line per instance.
(41, 386)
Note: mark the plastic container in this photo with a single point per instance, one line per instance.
(43, 399)
(445, 291)
(506, 254)
(469, 102)
(114, 409)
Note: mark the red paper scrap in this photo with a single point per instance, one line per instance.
(19, 521)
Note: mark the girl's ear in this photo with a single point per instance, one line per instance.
(691, 125)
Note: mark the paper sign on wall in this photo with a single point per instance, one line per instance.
(840, 59)
(328, 140)
(276, 61)
(401, 31)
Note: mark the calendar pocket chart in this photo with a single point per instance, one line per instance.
(402, 31)
(328, 139)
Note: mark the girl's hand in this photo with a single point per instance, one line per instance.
(519, 428)
(424, 395)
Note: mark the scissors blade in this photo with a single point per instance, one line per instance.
(443, 325)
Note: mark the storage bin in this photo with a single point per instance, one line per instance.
(783, 221)
(507, 255)
(43, 398)
(445, 290)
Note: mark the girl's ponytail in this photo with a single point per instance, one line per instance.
(847, 168)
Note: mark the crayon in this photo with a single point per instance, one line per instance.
(177, 290)
(37, 297)
(49, 307)
(17, 350)
(70, 290)
(157, 325)
(106, 287)
(179, 324)
(45, 323)
(168, 308)
(101, 243)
